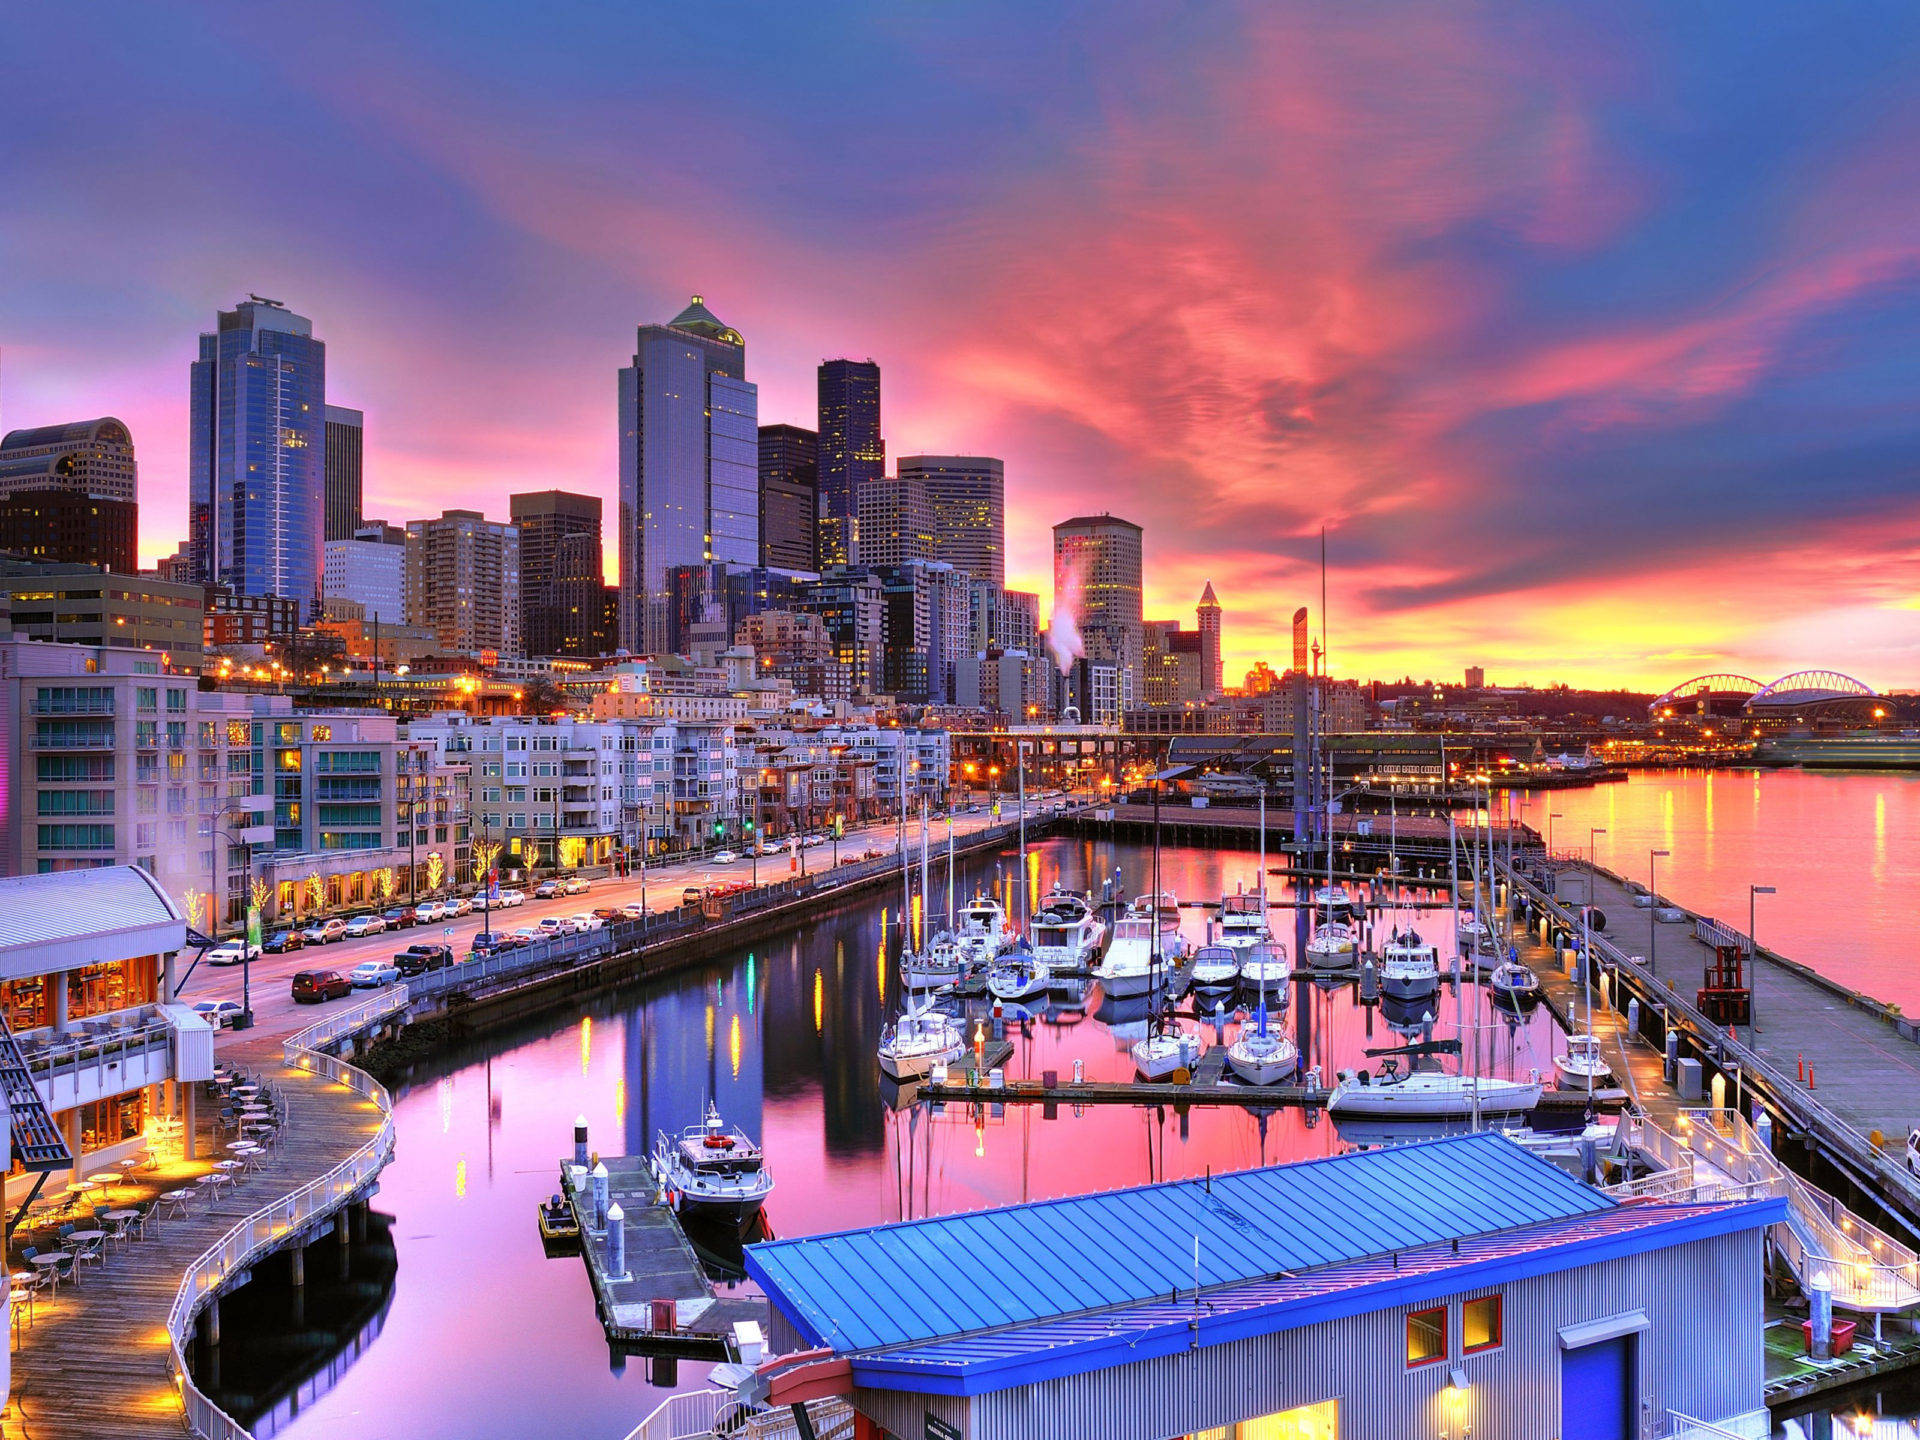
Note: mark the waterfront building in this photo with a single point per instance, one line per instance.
(1527, 1304)
(463, 581)
(850, 603)
(346, 434)
(789, 497)
(967, 503)
(88, 457)
(369, 568)
(896, 525)
(85, 953)
(1100, 694)
(1097, 562)
(1212, 662)
(1009, 619)
(851, 455)
(689, 464)
(256, 455)
(84, 605)
(910, 763)
(71, 527)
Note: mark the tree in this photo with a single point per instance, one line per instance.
(572, 847)
(316, 891)
(194, 900)
(436, 870)
(541, 695)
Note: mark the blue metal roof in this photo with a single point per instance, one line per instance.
(927, 1279)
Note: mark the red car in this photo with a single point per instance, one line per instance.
(314, 986)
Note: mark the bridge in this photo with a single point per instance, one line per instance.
(1729, 694)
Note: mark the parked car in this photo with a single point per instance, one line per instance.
(401, 919)
(456, 907)
(418, 959)
(428, 911)
(361, 926)
(311, 987)
(283, 942)
(812, 842)
(530, 933)
(577, 884)
(324, 932)
(232, 952)
(583, 923)
(556, 925)
(369, 974)
(724, 857)
(770, 847)
(498, 941)
(546, 890)
(218, 1013)
(609, 912)
(510, 899)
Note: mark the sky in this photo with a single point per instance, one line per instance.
(1590, 333)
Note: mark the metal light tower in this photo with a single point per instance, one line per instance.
(1653, 909)
(1753, 956)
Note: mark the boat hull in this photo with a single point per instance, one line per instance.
(1410, 987)
(1401, 1101)
(918, 1065)
(1263, 1069)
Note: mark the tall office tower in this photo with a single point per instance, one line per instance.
(369, 568)
(463, 582)
(689, 464)
(345, 429)
(1212, 667)
(852, 455)
(90, 457)
(789, 496)
(256, 458)
(573, 622)
(1003, 619)
(967, 499)
(546, 518)
(896, 526)
(852, 605)
(1096, 571)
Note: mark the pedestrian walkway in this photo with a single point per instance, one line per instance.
(93, 1361)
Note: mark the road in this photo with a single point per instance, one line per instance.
(276, 1013)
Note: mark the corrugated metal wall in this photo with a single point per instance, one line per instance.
(1701, 1355)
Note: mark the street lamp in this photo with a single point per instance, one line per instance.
(1753, 955)
(1653, 910)
(1552, 815)
(1586, 943)
(214, 831)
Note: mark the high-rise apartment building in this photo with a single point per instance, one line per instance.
(967, 504)
(896, 526)
(346, 430)
(1212, 663)
(689, 463)
(369, 569)
(89, 457)
(851, 604)
(582, 616)
(256, 456)
(1096, 574)
(463, 582)
(789, 496)
(852, 455)
(546, 519)
(1002, 618)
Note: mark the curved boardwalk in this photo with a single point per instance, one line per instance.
(94, 1363)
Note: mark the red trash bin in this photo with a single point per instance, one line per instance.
(1842, 1335)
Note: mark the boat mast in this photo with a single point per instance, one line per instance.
(949, 869)
(1020, 747)
(926, 890)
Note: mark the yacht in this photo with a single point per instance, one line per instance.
(1243, 920)
(1262, 1056)
(1332, 902)
(1017, 974)
(1515, 986)
(1265, 966)
(1583, 1067)
(1474, 935)
(1332, 947)
(1165, 909)
(937, 966)
(983, 929)
(1409, 967)
(920, 1039)
(1428, 1095)
(1215, 967)
(713, 1170)
(1165, 1050)
(1128, 969)
(1066, 934)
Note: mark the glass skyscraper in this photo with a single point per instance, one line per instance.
(852, 454)
(689, 464)
(257, 455)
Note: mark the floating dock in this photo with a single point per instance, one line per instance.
(662, 1303)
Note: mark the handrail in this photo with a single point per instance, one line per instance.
(268, 1226)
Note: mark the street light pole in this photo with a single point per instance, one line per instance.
(1586, 944)
(1753, 956)
(1653, 909)
(1552, 815)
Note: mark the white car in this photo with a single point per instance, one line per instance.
(532, 932)
(634, 910)
(724, 857)
(510, 898)
(370, 973)
(232, 952)
(582, 923)
(577, 885)
(770, 847)
(363, 925)
(812, 841)
(428, 911)
(218, 1013)
(556, 925)
(456, 907)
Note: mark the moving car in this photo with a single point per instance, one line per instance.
(361, 926)
(556, 925)
(324, 932)
(428, 911)
(530, 933)
(769, 847)
(218, 1013)
(812, 842)
(583, 923)
(693, 895)
(232, 952)
(311, 987)
(724, 857)
(634, 910)
(418, 959)
(400, 919)
(283, 942)
(370, 973)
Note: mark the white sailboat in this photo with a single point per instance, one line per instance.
(1332, 902)
(1429, 1095)
(937, 965)
(1331, 947)
(1165, 1050)
(1409, 967)
(920, 1039)
(1017, 974)
(1243, 920)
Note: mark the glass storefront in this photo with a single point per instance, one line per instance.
(92, 990)
(1303, 1422)
(108, 1122)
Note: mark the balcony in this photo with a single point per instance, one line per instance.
(112, 1054)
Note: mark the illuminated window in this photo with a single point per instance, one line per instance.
(1427, 1336)
(1480, 1325)
(1303, 1422)
(323, 732)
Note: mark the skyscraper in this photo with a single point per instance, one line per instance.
(256, 456)
(545, 519)
(1096, 576)
(369, 569)
(68, 493)
(689, 463)
(345, 429)
(896, 525)
(463, 581)
(967, 500)
(1212, 668)
(852, 454)
(789, 496)
(91, 457)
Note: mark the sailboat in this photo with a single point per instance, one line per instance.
(1017, 974)
(1514, 986)
(1261, 1056)
(921, 1038)
(1243, 920)
(1430, 1095)
(937, 965)
(1165, 1049)
(1331, 947)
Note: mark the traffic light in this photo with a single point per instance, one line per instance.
(747, 825)
(719, 828)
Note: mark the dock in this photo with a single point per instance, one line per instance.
(663, 1303)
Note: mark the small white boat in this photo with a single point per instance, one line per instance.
(1332, 947)
(713, 1170)
(1409, 967)
(1265, 967)
(1583, 1067)
(1514, 986)
(1261, 1056)
(1243, 920)
(1431, 1096)
(1065, 933)
(1475, 936)
(1215, 967)
(1128, 969)
(1164, 1051)
(1018, 974)
(936, 966)
(1166, 910)
(983, 929)
(1332, 902)
(920, 1039)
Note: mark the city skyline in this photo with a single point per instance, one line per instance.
(1587, 344)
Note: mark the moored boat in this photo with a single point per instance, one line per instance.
(1243, 920)
(1428, 1096)
(1215, 967)
(1331, 947)
(1583, 1067)
(1262, 1056)
(983, 932)
(938, 965)
(1065, 933)
(1017, 974)
(1409, 966)
(1514, 986)
(1265, 967)
(1130, 968)
(713, 1169)
(920, 1039)
(1165, 1051)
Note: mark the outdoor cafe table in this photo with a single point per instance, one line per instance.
(90, 1237)
(121, 1218)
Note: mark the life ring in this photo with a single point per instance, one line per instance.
(719, 1142)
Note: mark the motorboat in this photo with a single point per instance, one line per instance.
(1129, 967)
(1515, 986)
(1332, 902)
(1166, 1050)
(1583, 1067)
(559, 1225)
(1215, 967)
(1243, 920)
(1265, 966)
(984, 932)
(1262, 1056)
(1409, 967)
(713, 1170)
(1065, 933)
(1474, 935)
(920, 1039)
(1332, 946)
(1430, 1095)
(1017, 974)
(1165, 909)
(938, 965)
